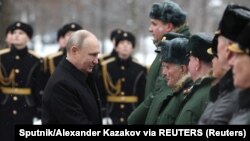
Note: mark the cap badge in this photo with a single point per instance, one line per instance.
(164, 38)
(73, 26)
(125, 34)
(18, 24)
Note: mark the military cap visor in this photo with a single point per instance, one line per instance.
(213, 50)
(209, 51)
(236, 49)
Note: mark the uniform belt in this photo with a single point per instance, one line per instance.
(122, 99)
(17, 91)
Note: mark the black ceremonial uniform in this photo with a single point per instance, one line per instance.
(19, 95)
(54, 59)
(124, 83)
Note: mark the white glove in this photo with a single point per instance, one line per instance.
(37, 121)
(107, 121)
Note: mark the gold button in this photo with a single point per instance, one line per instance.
(17, 57)
(122, 68)
(123, 79)
(17, 70)
(122, 93)
(122, 106)
(15, 98)
(121, 119)
(14, 112)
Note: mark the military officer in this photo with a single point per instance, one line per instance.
(199, 67)
(223, 96)
(19, 78)
(124, 80)
(63, 37)
(147, 112)
(241, 68)
(165, 17)
(174, 67)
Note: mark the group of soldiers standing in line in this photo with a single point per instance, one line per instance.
(198, 79)
(194, 79)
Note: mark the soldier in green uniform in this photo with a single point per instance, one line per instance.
(223, 95)
(165, 17)
(174, 67)
(199, 67)
(124, 80)
(20, 98)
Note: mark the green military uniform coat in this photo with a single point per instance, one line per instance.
(155, 85)
(195, 102)
(170, 109)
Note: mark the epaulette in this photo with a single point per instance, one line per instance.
(34, 54)
(111, 88)
(53, 55)
(51, 61)
(4, 51)
(136, 61)
(105, 62)
(102, 58)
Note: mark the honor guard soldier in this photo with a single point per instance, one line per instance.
(113, 36)
(124, 80)
(98, 70)
(62, 38)
(199, 67)
(19, 78)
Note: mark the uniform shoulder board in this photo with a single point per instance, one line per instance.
(136, 61)
(4, 51)
(53, 55)
(102, 57)
(105, 62)
(34, 54)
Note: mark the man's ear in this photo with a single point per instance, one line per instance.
(74, 49)
(170, 27)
